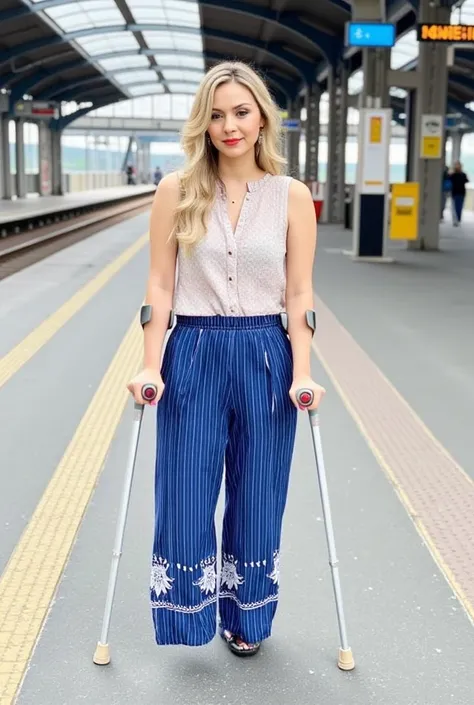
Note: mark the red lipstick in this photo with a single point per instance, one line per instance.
(231, 142)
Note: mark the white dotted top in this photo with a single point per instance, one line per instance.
(241, 273)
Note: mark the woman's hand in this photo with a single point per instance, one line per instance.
(146, 376)
(307, 383)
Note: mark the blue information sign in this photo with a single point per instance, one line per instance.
(292, 125)
(370, 34)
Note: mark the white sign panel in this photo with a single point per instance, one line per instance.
(431, 141)
(374, 150)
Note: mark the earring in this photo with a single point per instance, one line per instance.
(260, 137)
(208, 140)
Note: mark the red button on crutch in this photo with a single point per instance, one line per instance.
(102, 653)
(345, 660)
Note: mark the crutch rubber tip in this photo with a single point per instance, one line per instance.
(345, 660)
(102, 654)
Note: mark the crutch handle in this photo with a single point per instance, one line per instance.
(304, 397)
(149, 391)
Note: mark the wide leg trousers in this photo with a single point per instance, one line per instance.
(225, 404)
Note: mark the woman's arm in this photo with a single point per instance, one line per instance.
(162, 271)
(301, 249)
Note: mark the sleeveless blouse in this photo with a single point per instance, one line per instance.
(241, 273)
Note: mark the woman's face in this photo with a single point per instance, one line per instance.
(235, 120)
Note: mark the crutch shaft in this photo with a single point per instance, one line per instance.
(305, 398)
(101, 656)
(326, 506)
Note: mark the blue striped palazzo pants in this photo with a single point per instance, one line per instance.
(225, 405)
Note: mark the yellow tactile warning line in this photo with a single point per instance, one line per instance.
(31, 576)
(29, 346)
(435, 491)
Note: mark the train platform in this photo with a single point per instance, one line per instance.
(44, 206)
(394, 351)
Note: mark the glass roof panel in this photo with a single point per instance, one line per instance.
(405, 50)
(177, 33)
(398, 92)
(105, 43)
(145, 89)
(355, 82)
(463, 14)
(82, 15)
(179, 61)
(182, 75)
(173, 40)
(121, 62)
(183, 87)
(135, 76)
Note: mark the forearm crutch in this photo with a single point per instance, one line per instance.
(345, 660)
(102, 652)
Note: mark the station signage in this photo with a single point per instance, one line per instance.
(370, 34)
(453, 33)
(36, 109)
(291, 125)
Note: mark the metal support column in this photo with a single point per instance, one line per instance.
(430, 122)
(375, 67)
(5, 165)
(456, 143)
(293, 140)
(410, 122)
(334, 192)
(5, 177)
(21, 189)
(372, 184)
(313, 98)
(45, 159)
(57, 163)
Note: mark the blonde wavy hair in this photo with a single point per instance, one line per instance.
(199, 178)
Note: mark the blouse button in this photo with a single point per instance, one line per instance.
(230, 252)
(230, 279)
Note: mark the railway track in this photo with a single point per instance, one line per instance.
(21, 250)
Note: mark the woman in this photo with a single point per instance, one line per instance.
(458, 191)
(244, 238)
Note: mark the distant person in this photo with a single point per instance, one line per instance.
(445, 189)
(458, 191)
(130, 171)
(157, 176)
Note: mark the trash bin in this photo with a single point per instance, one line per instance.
(348, 213)
(318, 207)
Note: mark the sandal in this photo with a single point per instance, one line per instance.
(236, 648)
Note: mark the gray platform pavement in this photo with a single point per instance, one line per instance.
(414, 318)
(412, 641)
(33, 206)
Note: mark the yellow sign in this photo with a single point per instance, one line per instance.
(445, 33)
(431, 148)
(375, 130)
(404, 211)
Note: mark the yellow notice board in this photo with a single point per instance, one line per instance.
(375, 133)
(431, 148)
(431, 136)
(404, 211)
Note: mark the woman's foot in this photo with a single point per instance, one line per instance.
(238, 646)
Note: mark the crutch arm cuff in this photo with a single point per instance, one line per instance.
(146, 314)
(310, 316)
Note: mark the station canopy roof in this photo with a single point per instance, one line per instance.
(98, 52)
